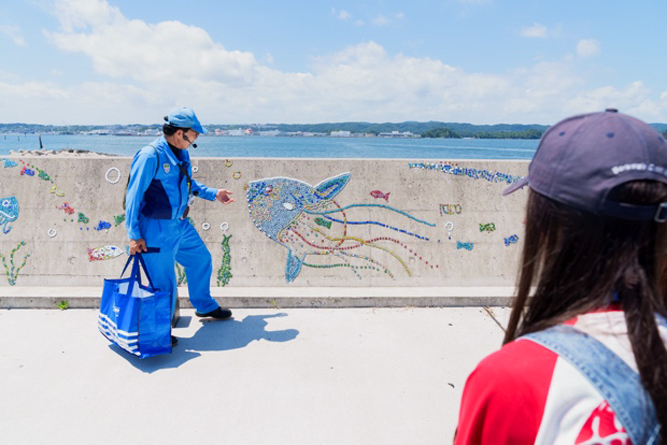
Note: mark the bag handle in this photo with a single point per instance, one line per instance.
(139, 263)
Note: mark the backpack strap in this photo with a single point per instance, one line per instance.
(157, 167)
(619, 384)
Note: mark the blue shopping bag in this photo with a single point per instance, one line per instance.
(134, 316)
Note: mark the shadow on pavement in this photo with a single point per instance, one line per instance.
(213, 335)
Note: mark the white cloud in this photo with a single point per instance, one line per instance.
(588, 48)
(13, 33)
(150, 67)
(343, 15)
(166, 50)
(537, 30)
(381, 20)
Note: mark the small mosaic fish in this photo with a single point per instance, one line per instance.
(54, 190)
(9, 211)
(103, 225)
(323, 222)
(511, 240)
(66, 207)
(490, 227)
(43, 175)
(10, 164)
(466, 246)
(378, 194)
(104, 253)
(27, 171)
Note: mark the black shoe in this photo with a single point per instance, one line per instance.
(219, 313)
(174, 341)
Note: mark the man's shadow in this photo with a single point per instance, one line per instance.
(213, 335)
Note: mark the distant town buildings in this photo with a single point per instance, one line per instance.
(262, 130)
(397, 134)
(341, 134)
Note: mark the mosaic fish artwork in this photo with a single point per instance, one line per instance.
(291, 213)
(118, 219)
(27, 171)
(378, 194)
(490, 227)
(103, 225)
(466, 246)
(66, 207)
(104, 253)
(513, 239)
(323, 222)
(9, 211)
(9, 164)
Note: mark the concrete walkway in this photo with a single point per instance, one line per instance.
(269, 376)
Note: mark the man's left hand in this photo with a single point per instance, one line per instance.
(224, 197)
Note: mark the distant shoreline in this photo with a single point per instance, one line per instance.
(408, 129)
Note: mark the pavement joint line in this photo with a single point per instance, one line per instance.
(35, 297)
(494, 318)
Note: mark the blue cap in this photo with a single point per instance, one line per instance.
(185, 118)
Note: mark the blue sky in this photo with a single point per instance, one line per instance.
(478, 61)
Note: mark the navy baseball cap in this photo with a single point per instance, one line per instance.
(185, 118)
(582, 158)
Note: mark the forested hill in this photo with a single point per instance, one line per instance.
(426, 129)
(461, 129)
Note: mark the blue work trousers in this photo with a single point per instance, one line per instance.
(179, 241)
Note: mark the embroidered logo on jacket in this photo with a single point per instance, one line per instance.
(166, 167)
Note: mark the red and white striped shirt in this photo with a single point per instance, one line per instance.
(526, 394)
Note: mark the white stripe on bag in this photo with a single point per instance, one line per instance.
(113, 325)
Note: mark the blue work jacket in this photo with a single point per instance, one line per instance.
(157, 187)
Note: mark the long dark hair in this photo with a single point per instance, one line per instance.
(575, 262)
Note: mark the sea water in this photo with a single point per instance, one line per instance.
(288, 147)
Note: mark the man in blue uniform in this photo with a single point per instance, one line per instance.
(157, 200)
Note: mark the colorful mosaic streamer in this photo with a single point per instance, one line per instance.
(472, 173)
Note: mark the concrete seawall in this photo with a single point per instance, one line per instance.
(297, 224)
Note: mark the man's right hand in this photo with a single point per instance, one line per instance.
(137, 246)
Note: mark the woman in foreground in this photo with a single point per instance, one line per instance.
(584, 358)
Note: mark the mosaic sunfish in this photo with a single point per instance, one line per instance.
(278, 208)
